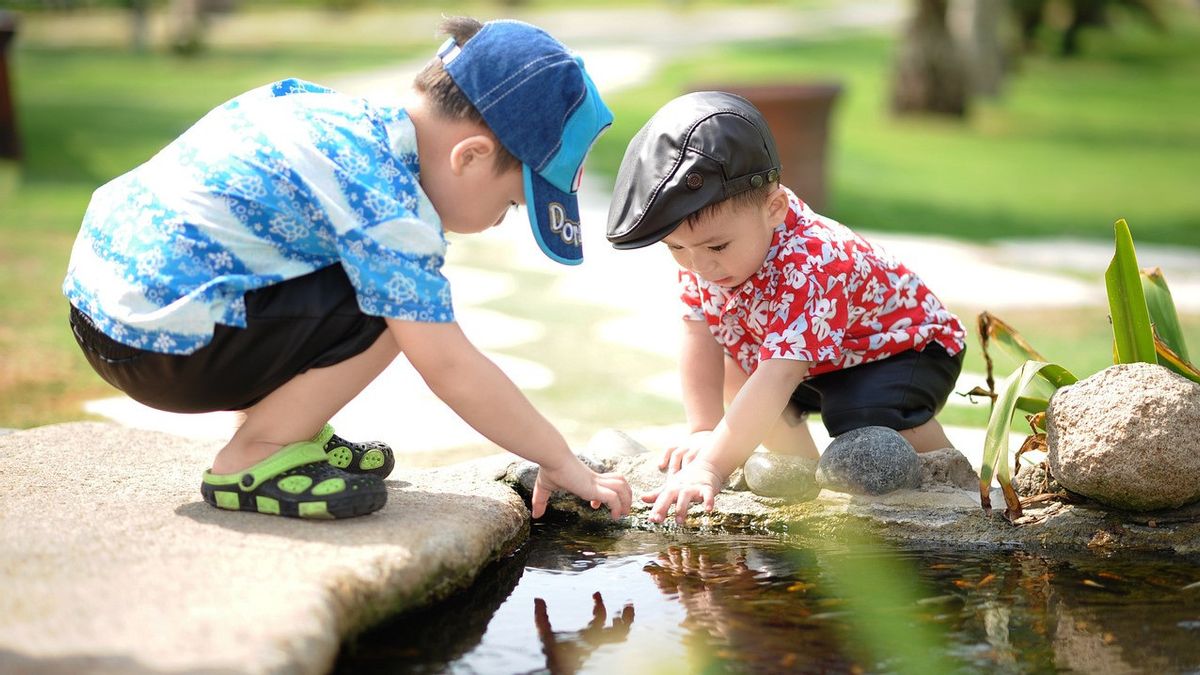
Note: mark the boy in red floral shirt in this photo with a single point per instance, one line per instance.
(788, 312)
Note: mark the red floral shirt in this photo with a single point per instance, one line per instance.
(824, 295)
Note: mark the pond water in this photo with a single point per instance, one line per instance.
(631, 601)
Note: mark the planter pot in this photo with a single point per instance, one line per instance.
(799, 118)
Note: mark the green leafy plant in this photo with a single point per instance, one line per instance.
(1145, 329)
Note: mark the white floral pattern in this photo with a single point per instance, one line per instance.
(823, 295)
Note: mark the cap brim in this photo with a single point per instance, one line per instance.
(554, 216)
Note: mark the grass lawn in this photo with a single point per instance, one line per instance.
(1071, 147)
(88, 115)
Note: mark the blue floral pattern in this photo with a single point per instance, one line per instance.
(279, 182)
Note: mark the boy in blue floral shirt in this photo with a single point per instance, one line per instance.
(283, 251)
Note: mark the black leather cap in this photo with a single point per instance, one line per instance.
(698, 149)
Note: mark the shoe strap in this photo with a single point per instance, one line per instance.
(323, 435)
(286, 459)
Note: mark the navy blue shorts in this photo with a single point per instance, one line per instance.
(307, 322)
(899, 392)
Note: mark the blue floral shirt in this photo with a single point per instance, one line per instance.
(279, 182)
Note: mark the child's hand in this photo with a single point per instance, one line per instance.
(678, 456)
(610, 489)
(697, 483)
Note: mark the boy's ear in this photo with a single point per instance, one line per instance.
(777, 204)
(472, 152)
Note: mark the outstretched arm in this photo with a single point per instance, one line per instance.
(754, 410)
(702, 376)
(479, 392)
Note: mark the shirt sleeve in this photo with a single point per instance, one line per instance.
(389, 240)
(689, 292)
(807, 316)
(393, 282)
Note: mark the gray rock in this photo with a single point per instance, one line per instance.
(947, 466)
(870, 460)
(1127, 437)
(523, 474)
(610, 444)
(782, 476)
(1034, 480)
(737, 481)
(113, 558)
(937, 515)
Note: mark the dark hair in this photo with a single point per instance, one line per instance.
(444, 95)
(751, 196)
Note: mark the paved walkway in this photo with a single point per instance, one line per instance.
(967, 277)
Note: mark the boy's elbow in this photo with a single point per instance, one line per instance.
(438, 351)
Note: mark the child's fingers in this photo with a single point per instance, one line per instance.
(612, 500)
(682, 502)
(666, 457)
(677, 460)
(710, 498)
(538, 502)
(624, 494)
(688, 457)
(659, 512)
(650, 497)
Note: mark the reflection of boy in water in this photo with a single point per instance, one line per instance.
(566, 650)
(731, 598)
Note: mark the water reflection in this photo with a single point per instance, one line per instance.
(566, 651)
(741, 599)
(727, 603)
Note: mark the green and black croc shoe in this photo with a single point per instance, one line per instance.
(372, 458)
(299, 482)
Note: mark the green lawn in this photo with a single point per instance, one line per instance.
(87, 115)
(1071, 147)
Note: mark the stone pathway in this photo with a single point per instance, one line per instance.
(112, 563)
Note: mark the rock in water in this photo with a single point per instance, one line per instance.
(947, 466)
(1128, 436)
(788, 477)
(870, 460)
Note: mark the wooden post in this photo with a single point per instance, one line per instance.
(10, 144)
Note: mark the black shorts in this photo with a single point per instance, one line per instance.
(308, 322)
(899, 392)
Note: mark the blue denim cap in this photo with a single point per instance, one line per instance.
(537, 98)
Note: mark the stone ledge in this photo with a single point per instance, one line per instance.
(936, 515)
(112, 563)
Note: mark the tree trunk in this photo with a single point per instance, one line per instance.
(988, 40)
(10, 141)
(1030, 16)
(930, 74)
(1084, 14)
(188, 26)
(139, 28)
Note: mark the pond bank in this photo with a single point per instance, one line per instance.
(938, 514)
(112, 563)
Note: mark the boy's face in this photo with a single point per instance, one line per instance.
(730, 245)
(480, 199)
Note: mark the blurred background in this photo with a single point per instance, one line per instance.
(989, 143)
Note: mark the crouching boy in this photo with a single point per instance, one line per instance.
(788, 312)
(283, 251)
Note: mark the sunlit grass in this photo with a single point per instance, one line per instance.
(1070, 147)
(86, 116)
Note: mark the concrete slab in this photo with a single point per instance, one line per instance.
(110, 561)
